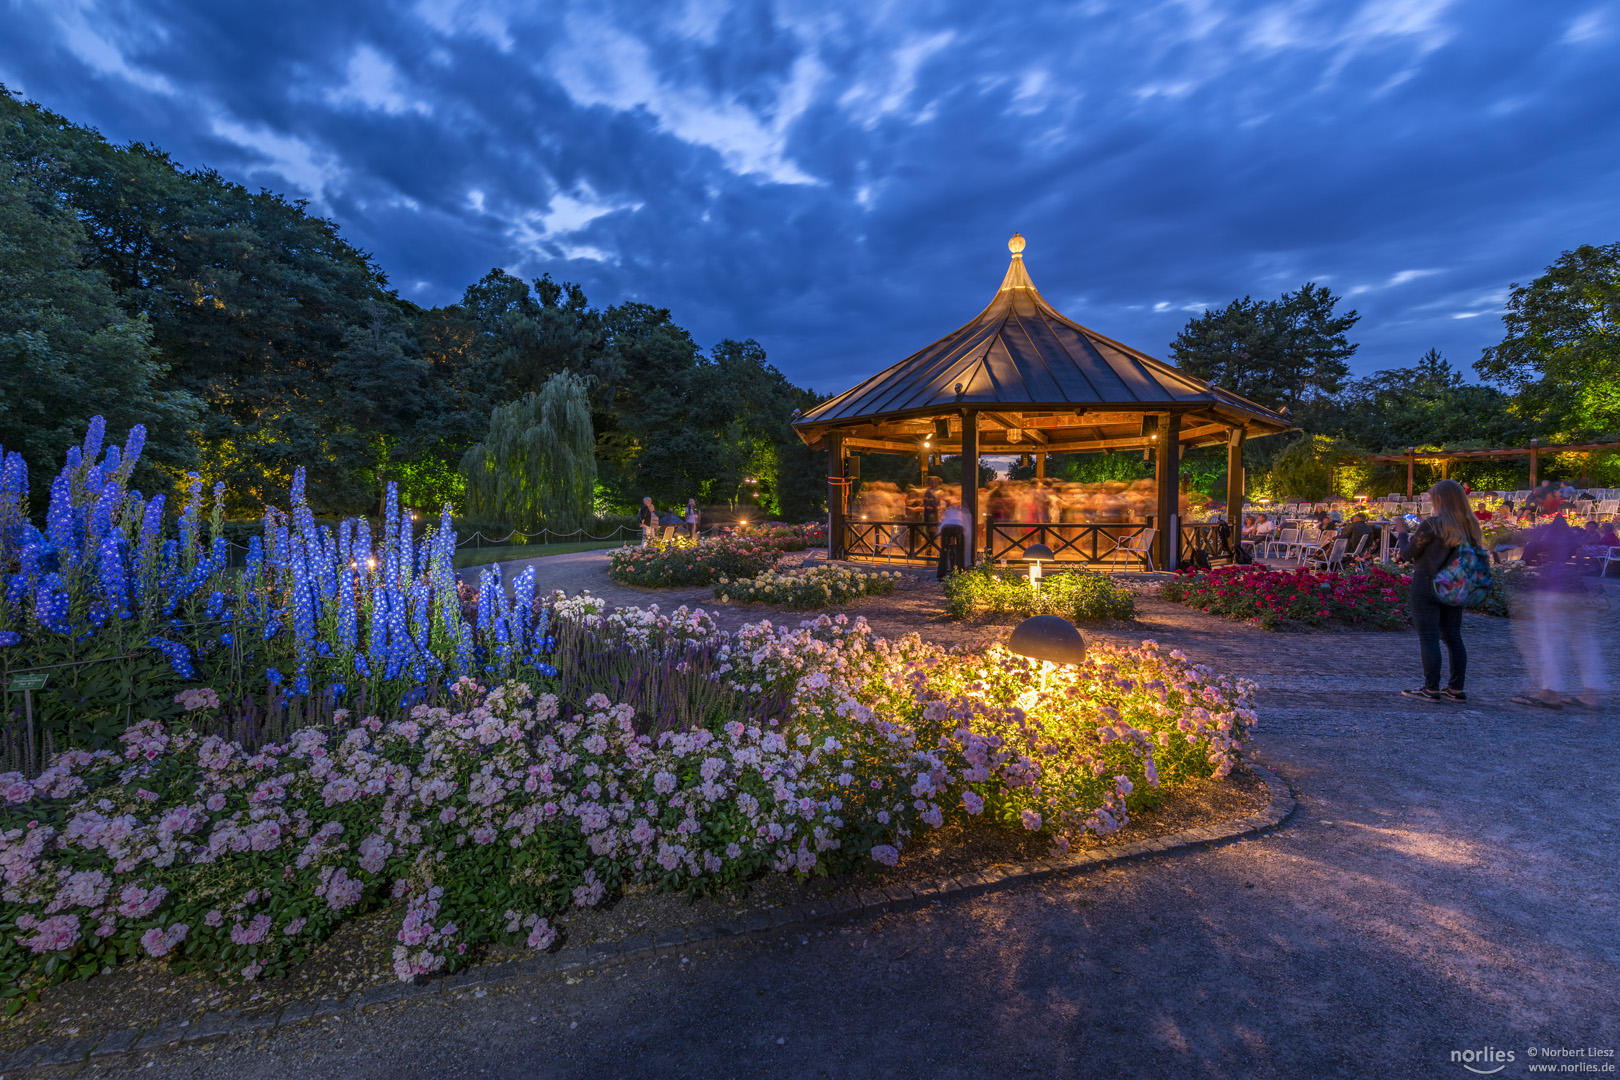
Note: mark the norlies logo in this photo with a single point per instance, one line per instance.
(1483, 1057)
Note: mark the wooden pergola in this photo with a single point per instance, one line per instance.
(1534, 451)
(1021, 378)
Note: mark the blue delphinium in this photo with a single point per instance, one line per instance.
(179, 656)
(113, 585)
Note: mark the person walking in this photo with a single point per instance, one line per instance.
(1567, 623)
(692, 518)
(649, 520)
(953, 539)
(1433, 545)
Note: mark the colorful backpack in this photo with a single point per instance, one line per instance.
(1465, 581)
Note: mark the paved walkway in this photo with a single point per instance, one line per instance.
(1449, 883)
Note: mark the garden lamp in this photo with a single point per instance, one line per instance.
(1049, 638)
(1035, 553)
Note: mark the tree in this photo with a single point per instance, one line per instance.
(1278, 353)
(1561, 352)
(537, 466)
(67, 351)
(1427, 404)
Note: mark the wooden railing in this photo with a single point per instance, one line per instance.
(1089, 543)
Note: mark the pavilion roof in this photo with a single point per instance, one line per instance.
(1021, 356)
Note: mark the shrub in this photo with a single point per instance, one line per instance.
(693, 562)
(814, 587)
(1375, 598)
(487, 817)
(1074, 594)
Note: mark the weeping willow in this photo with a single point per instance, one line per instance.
(537, 466)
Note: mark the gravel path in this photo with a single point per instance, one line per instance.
(1448, 883)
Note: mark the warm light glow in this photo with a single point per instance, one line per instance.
(371, 563)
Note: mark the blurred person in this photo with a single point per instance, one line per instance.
(1433, 545)
(931, 500)
(1565, 618)
(955, 535)
(649, 520)
(692, 517)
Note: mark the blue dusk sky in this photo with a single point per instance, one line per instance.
(838, 180)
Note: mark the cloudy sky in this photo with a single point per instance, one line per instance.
(838, 180)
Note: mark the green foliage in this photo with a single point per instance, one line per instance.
(67, 350)
(251, 338)
(1302, 470)
(1426, 405)
(1561, 350)
(536, 468)
(1078, 595)
(1274, 352)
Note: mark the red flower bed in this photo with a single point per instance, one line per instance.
(1375, 598)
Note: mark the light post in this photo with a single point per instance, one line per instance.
(1035, 553)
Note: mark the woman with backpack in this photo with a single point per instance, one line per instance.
(1433, 547)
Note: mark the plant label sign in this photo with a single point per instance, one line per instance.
(35, 681)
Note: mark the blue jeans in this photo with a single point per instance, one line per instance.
(1436, 622)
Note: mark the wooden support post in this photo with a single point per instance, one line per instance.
(1534, 461)
(835, 497)
(970, 482)
(1411, 469)
(1167, 478)
(922, 468)
(1234, 481)
(1040, 466)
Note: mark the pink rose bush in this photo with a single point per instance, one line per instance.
(1372, 599)
(485, 817)
(697, 562)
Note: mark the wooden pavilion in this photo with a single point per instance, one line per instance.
(1020, 378)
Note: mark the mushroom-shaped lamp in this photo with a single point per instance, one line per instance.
(1036, 554)
(1049, 638)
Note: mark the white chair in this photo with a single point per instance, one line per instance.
(1332, 559)
(1139, 546)
(892, 544)
(669, 534)
(1612, 555)
(1286, 539)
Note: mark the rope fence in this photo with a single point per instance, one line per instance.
(478, 538)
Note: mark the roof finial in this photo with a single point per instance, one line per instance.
(1016, 245)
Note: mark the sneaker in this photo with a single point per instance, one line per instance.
(1423, 693)
(1454, 695)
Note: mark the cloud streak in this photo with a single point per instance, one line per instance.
(837, 179)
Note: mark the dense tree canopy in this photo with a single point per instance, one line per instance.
(1561, 353)
(1276, 352)
(251, 338)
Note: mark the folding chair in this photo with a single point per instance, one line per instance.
(891, 544)
(669, 534)
(1139, 546)
(1610, 556)
(1333, 559)
(1286, 539)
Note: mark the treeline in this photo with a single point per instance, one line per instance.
(1555, 376)
(251, 339)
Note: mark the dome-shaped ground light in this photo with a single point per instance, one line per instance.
(1050, 638)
